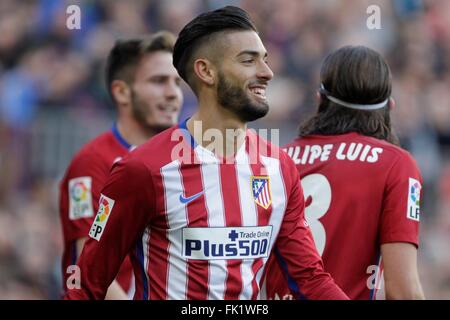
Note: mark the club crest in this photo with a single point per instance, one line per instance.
(261, 191)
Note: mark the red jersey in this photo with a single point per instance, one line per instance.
(80, 195)
(199, 228)
(360, 193)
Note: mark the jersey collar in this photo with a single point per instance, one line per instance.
(187, 134)
(119, 137)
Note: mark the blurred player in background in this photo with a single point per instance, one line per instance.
(145, 87)
(362, 191)
(201, 225)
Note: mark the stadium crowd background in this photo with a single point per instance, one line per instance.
(52, 100)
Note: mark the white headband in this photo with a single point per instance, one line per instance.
(355, 105)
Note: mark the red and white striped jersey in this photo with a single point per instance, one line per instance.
(198, 227)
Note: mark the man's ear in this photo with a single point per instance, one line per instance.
(318, 98)
(392, 103)
(121, 92)
(205, 71)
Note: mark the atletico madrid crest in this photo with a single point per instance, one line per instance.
(261, 191)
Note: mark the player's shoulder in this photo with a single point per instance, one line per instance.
(392, 151)
(91, 155)
(265, 147)
(157, 151)
(270, 150)
(96, 147)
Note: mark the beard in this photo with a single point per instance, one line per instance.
(235, 99)
(141, 113)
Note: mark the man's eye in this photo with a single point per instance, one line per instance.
(248, 61)
(157, 80)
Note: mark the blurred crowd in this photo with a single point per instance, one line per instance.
(53, 99)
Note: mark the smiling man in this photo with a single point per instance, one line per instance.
(145, 87)
(201, 227)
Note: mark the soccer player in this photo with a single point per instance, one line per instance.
(145, 87)
(362, 191)
(200, 219)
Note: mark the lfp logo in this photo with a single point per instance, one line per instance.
(104, 211)
(80, 198)
(415, 193)
(413, 211)
(226, 243)
(79, 191)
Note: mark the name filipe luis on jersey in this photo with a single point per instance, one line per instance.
(226, 243)
(343, 151)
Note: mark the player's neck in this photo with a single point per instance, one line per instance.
(217, 129)
(133, 132)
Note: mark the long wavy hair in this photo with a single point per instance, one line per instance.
(357, 75)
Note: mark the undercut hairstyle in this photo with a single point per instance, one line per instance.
(125, 56)
(358, 75)
(205, 30)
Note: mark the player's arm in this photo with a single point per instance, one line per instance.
(127, 201)
(399, 233)
(115, 291)
(401, 278)
(78, 212)
(297, 253)
(80, 193)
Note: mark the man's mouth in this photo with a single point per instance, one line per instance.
(167, 108)
(259, 91)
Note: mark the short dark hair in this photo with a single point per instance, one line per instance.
(359, 75)
(198, 32)
(126, 54)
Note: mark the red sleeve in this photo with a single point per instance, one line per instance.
(126, 204)
(401, 204)
(80, 193)
(297, 253)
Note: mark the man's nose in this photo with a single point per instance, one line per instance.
(265, 72)
(172, 90)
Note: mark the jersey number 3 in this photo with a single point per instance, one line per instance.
(317, 191)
